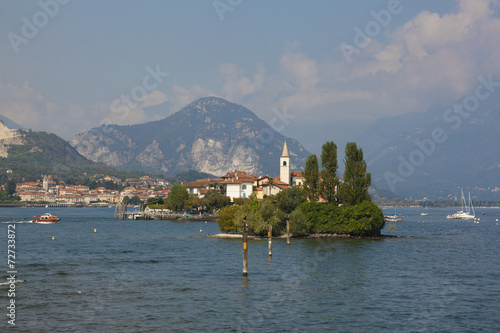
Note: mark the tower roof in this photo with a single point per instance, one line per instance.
(285, 150)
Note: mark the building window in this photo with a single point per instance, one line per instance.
(284, 163)
(243, 187)
(244, 195)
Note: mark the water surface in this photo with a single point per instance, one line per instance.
(164, 276)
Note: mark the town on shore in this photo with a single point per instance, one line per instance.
(235, 185)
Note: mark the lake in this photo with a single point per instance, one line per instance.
(92, 273)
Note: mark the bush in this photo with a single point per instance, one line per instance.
(364, 219)
(299, 224)
(227, 218)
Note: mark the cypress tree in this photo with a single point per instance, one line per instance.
(357, 181)
(329, 165)
(311, 178)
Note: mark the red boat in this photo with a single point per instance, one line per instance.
(46, 218)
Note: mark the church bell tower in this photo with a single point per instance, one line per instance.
(285, 165)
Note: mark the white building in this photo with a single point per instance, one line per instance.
(238, 188)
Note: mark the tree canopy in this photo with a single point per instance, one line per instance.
(357, 181)
(329, 165)
(311, 178)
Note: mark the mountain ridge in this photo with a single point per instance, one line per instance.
(32, 153)
(427, 155)
(209, 135)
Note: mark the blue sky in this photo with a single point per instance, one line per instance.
(72, 72)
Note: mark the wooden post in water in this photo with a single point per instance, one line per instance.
(270, 239)
(287, 230)
(116, 210)
(245, 246)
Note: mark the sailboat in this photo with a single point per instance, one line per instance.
(467, 212)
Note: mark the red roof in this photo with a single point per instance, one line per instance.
(203, 183)
(278, 183)
(239, 174)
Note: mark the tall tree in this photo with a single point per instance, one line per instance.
(177, 197)
(10, 187)
(329, 166)
(311, 178)
(357, 181)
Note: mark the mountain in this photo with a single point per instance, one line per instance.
(9, 123)
(210, 135)
(29, 154)
(432, 154)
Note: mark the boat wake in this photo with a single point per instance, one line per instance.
(18, 221)
(9, 283)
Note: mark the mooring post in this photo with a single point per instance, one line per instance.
(245, 247)
(287, 230)
(270, 239)
(116, 209)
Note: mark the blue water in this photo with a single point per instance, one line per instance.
(163, 276)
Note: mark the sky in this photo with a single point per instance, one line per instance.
(319, 70)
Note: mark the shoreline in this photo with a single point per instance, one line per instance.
(312, 236)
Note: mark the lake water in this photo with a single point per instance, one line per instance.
(163, 276)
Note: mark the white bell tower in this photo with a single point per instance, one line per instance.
(285, 165)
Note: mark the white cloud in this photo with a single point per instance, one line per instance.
(431, 59)
(155, 98)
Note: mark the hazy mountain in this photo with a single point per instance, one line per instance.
(209, 135)
(28, 153)
(9, 123)
(405, 156)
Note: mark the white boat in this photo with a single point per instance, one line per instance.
(424, 214)
(467, 212)
(394, 217)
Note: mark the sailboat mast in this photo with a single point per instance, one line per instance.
(464, 203)
(471, 207)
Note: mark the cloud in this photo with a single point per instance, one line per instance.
(155, 98)
(236, 85)
(431, 59)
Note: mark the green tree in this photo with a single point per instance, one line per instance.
(135, 200)
(357, 181)
(214, 200)
(227, 218)
(299, 224)
(10, 187)
(311, 181)
(328, 174)
(157, 200)
(290, 199)
(177, 197)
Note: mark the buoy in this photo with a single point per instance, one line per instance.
(201, 230)
(53, 237)
(95, 230)
(205, 221)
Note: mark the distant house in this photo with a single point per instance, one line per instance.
(201, 187)
(274, 187)
(238, 188)
(297, 178)
(238, 184)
